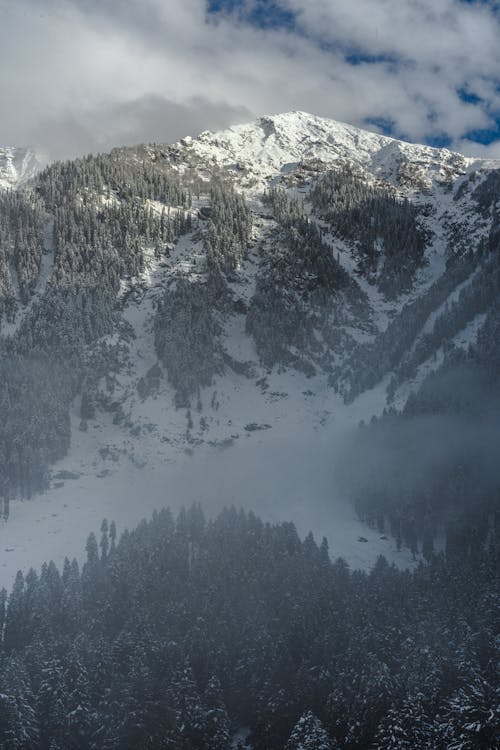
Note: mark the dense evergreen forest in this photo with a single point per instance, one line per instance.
(383, 227)
(187, 328)
(90, 221)
(186, 631)
(303, 296)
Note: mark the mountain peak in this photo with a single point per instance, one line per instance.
(274, 145)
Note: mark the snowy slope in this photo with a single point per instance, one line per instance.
(17, 165)
(263, 438)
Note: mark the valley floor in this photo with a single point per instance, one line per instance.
(284, 472)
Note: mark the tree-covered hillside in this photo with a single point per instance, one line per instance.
(184, 631)
(70, 242)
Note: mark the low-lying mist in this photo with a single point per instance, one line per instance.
(442, 454)
(280, 477)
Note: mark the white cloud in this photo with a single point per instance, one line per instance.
(84, 74)
(480, 150)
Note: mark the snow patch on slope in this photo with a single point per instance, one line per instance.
(17, 165)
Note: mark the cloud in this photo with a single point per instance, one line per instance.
(80, 75)
(479, 150)
(429, 52)
(149, 118)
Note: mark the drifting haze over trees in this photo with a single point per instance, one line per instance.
(434, 467)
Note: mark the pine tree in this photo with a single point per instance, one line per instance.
(470, 718)
(309, 734)
(218, 735)
(19, 728)
(405, 727)
(15, 619)
(104, 544)
(51, 704)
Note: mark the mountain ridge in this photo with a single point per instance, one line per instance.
(269, 285)
(285, 131)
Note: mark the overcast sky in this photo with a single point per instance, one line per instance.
(85, 75)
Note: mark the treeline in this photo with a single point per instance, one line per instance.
(108, 210)
(229, 230)
(103, 245)
(302, 295)
(187, 336)
(384, 227)
(42, 369)
(185, 631)
(34, 431)
(485, 194)
(124, 174)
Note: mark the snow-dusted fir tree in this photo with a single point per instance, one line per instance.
(309, 734)
(406, 727)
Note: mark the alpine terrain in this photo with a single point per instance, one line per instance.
(261, 288)
(295, 317)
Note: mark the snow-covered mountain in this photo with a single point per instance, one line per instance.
(17, 165)
(276, 145)
(211, 317)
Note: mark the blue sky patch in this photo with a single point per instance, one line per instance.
(485, 136)
(383, 125)
(264, 14)
(468, 96)
(363, 58)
